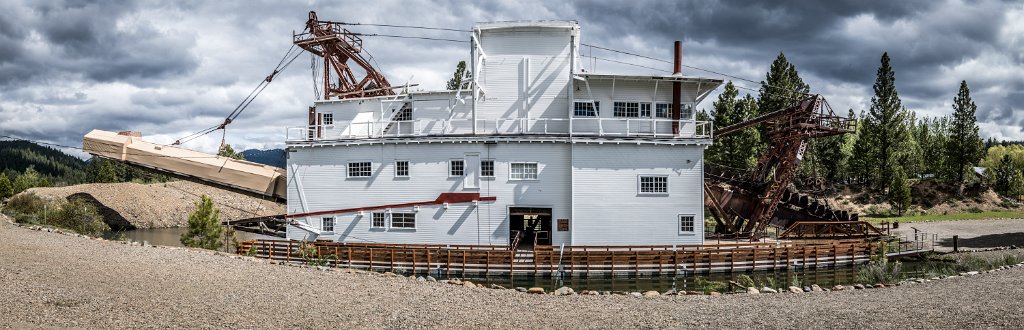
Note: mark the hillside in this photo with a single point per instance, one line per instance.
(18, 156)
(272, 157)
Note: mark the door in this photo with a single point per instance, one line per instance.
(529, 227)
(472, 164)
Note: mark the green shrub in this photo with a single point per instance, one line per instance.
(204, 230)
(745, 280)
(707, 286)
(79, 216)
(881, 271)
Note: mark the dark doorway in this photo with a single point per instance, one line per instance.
(529, 227)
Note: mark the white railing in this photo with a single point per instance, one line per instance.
(604, 127)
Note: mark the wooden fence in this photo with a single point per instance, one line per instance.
(575, 260)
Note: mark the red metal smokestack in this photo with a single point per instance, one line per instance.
(677, 97)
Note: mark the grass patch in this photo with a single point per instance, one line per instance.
(948, 217)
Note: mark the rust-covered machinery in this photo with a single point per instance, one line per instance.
(337, 45)
(745, 204)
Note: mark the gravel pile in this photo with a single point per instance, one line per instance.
(52, 280)
(162, 205)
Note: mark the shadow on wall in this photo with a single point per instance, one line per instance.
(987, 241)
(111, 217)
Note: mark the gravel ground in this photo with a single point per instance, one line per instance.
(162, 205)
(973, 234)
(52, 280)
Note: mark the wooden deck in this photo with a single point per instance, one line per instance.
(574, 260)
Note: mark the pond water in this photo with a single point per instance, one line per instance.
(169, 236)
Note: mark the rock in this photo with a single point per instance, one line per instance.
(520, 289)
(838, 287)
(879, 286)
(816, 288)
(468, 284)
(807, 289)
(651, 293)
(497, 287)
(389, 274)
(431, 279)
(564, 291)
(480, 285)
(636, 294)
(535, 290)
(591, 293)
(670, 292)
(421, 279)
(455, 281)
(768, 290)
(858, 286)
(972, 273)
(795, 289)
(715, 293)
(753, 290)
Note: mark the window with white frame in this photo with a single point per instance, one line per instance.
(403, 220)
(663, 110)
(360, 169)
(377, 219)
(487, 168)
(653, 184)
(402, 168)
(328, 118)
(327, 224)
(687, 112)
(522, 171)
(626, 109)
(456, 167)
(404, 114)
(645, 110)
(586, 108)
(686, 223)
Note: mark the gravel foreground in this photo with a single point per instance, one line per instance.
(49, 280)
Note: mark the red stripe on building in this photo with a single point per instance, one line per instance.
(450, 198)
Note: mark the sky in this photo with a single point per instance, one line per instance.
(170, 68)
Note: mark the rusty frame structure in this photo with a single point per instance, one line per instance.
(337, 46)
(743, 205)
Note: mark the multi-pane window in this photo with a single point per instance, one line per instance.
(586, 109)
(653, 184)
(377, 219)
(359, 169)
(328, 118)
(627, 109)
(687, 112)
(523, 171)
(404, 114)
(686, 223)
(663, 110)
(327, 224)
(403, 220)
(402, 168)
(645, 110)
(487, 167)
(456, 167)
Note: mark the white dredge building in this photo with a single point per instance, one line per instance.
(535, 151)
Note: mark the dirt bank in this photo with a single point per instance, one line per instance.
(162, 205)
(52, 280)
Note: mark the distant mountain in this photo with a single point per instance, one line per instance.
(17, 155)
(272, 157)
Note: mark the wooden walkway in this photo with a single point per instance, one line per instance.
(575, 260)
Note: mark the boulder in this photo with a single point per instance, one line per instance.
(431, 279)
(816, 288)
(636, 294)
(497, 287)
(972, 273)
(520, 289)
(468, 284)
(879, 286)
(807, 289)
(670, 292)
(838, 287)
(564, 291)
(768, 290)
(651, 293)
(753, 290)
(715, 293)
(455, 281)
(858, 286)
(795, 289)
(535, 290)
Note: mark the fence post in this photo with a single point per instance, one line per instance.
(956, 243)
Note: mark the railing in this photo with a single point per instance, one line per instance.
(604, 127)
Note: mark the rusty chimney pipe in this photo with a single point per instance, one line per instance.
(677, 97)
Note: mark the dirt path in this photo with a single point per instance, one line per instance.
(973, 234)
(52, 280)
(161, 205)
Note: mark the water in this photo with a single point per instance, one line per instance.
(169, 236)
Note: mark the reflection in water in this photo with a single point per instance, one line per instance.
(169, 236)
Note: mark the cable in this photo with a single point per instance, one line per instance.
(82, 149)
(407, 37)
(626, 63)
(404, 26)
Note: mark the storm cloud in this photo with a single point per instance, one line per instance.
(169, 68)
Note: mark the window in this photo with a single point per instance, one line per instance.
(685, 224)
(328, 118)
(359, 169)
(687, 112)
(327, 224)
(402, 168)
(663, 110)
(456, 167)
(586, 109)
(403, 220)
(627, 109)
(487, 168)
(377, 220)
(645, 110)
(523, 171)
(404, 114)
(653, 184)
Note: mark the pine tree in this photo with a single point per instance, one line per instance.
(860, 155)
(899, 192)
(26, 180)
(782, 87)
(739, 150)
(885, 127)
(456, 81)
(1003, 174)
(227, 151)
(204, 230)
(964, 146)
(6, 188)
